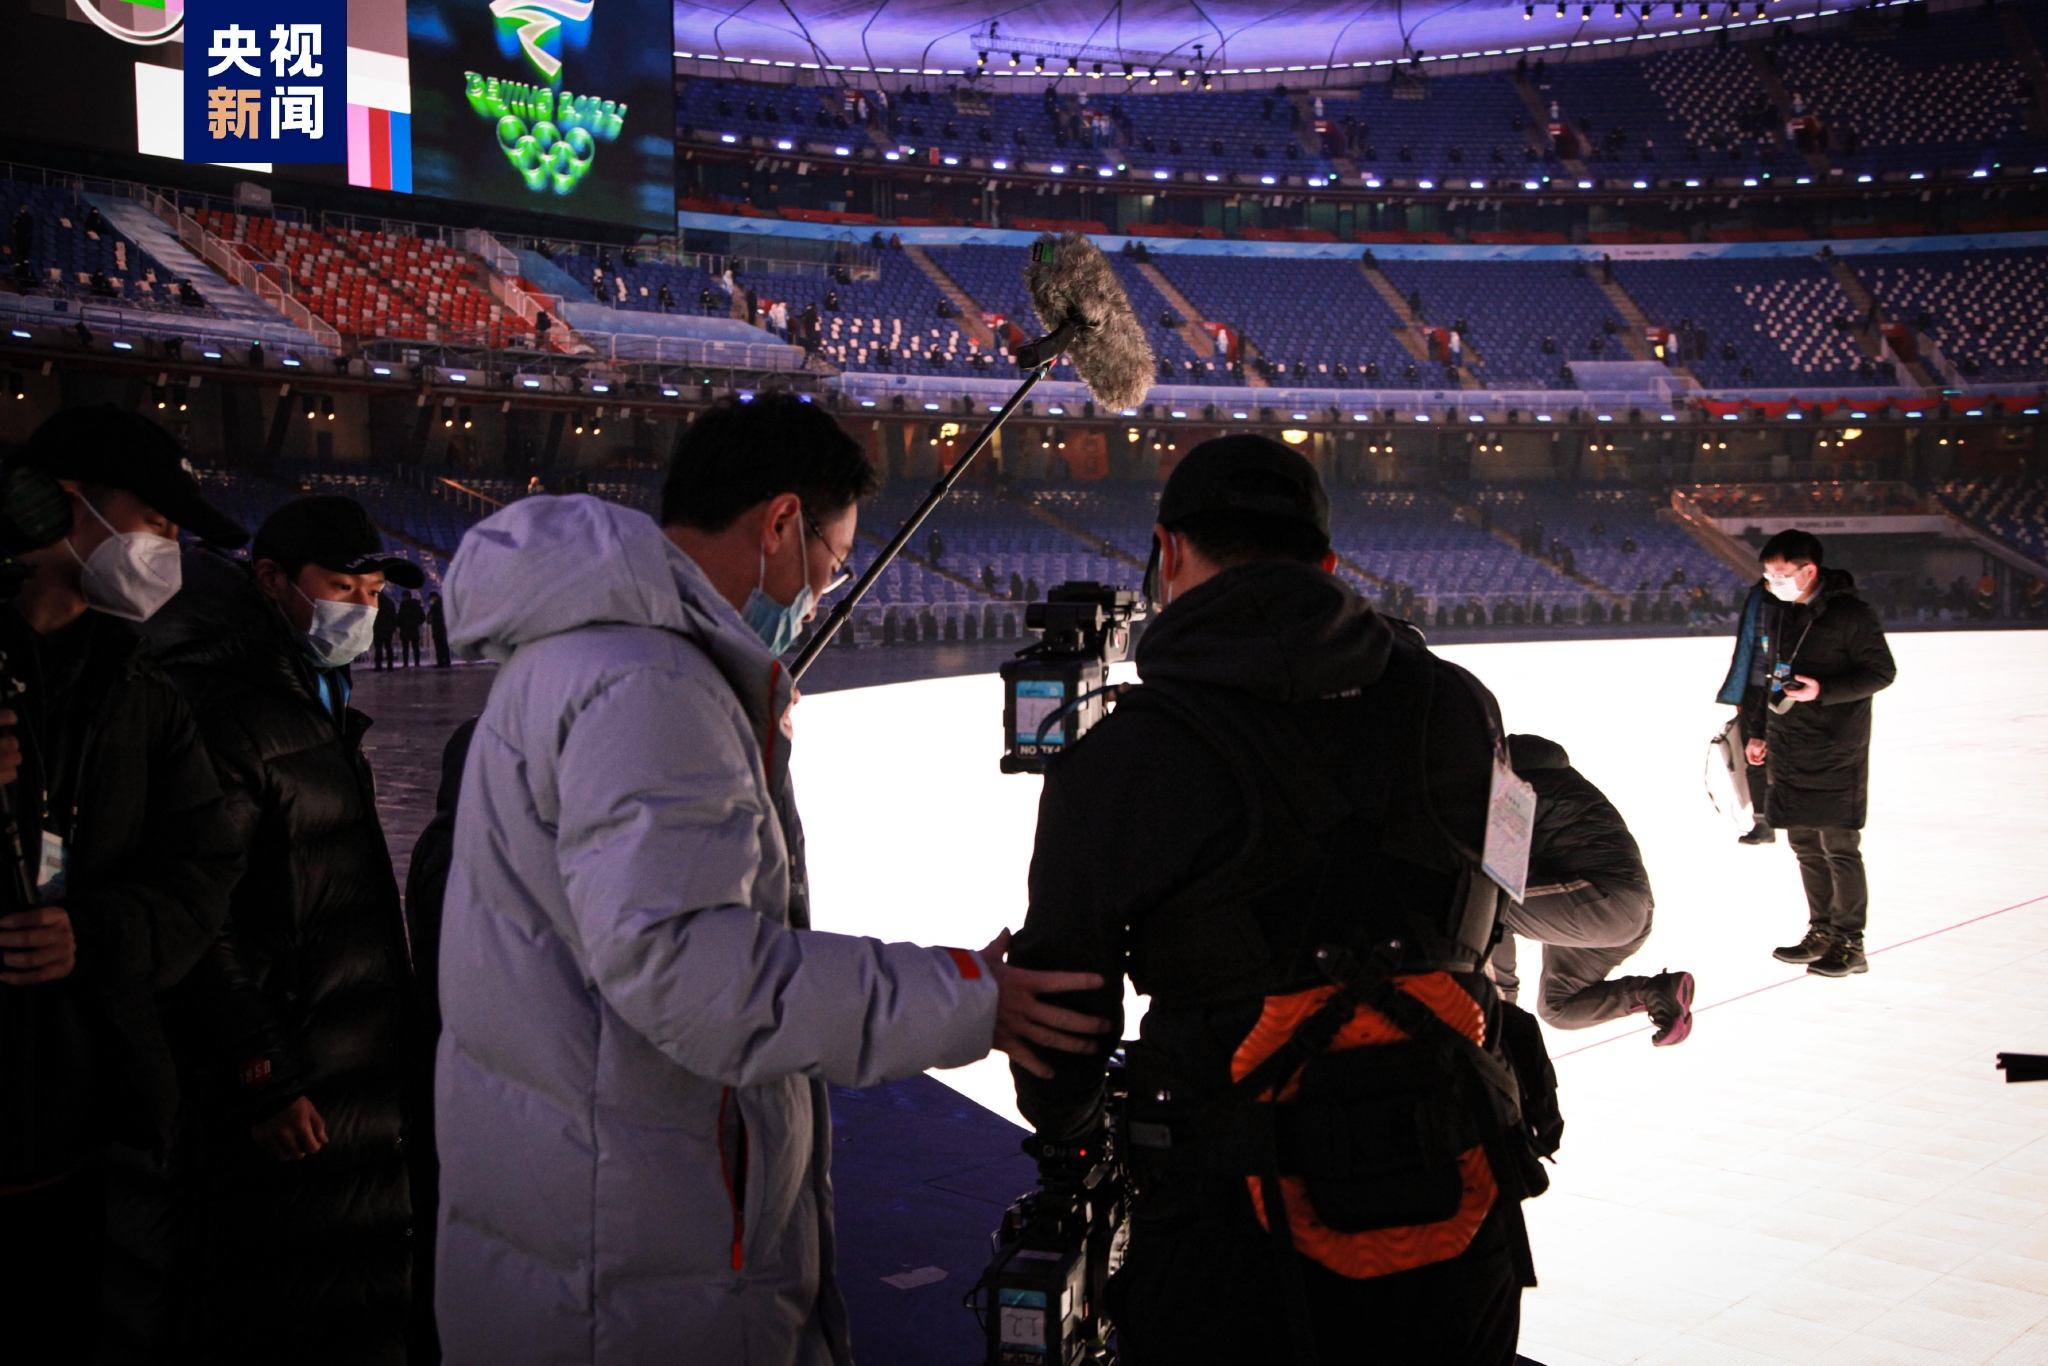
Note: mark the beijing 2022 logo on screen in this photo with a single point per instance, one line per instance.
(548, 133)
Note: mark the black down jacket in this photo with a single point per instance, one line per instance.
(1578, 833)
(1819, 752)
(152, 859)
(307, 1261)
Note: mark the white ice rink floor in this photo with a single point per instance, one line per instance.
(1827, 1171)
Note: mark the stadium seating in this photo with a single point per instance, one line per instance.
(1320, 313)
(1987, 310)
(2013, 508)
(373, 284)
(65, 257)
(1510, 310)
(1613, 534)
(1778, 313)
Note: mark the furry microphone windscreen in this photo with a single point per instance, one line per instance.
(1110, 353)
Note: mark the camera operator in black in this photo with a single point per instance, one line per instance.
(1293, 784)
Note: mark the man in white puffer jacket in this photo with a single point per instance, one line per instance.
(638, 1023)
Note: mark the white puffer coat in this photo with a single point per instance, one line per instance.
(630, 1091)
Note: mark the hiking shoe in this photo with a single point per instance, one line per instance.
(1758, 834)
(1814, 946)
(1668, 999)
(1842, 958)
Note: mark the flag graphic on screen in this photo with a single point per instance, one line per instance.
(379, 148)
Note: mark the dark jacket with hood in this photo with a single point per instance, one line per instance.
(1161, 856)
(309, 1260)
(1578, 834)
(113, 764)
(1818, 760)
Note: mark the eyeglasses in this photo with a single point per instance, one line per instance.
(841, 576)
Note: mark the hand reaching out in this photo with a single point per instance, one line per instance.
(1022, 1019)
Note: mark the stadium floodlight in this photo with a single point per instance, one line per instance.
(999, 165)
(1560, 9)
(1073, 66)
(1240, 416)
(1183, 76)
(1749, 182)
(867, 403)
(1371, 184)
(1979, 173)
(892, 156)
(951, 161)
(1129, 71)
(23, 333)
(670, 391)
(842, 151)
(1863, 180)
(1361, 417)
(1804, 180)
(1095, 72)
(1057, 169)
(1211, 177)
(1621, 9)
(1531, 185)
(1585, 13)
(1917, 175)
(530, 383)
(931, 407)
(784, 145)
(600, 387)
(1162, 175)
(1422, 417)
(1477, 417)
(1105, 171)
(1178, 413)
(1649, 11)
(1420, 184)
(121, 345)
(1667, 417)
(1056, 410)
(728, 137)
(1478, 184)
(1706, 12)
(1585, 184)
(1152, 77)
(1543, 417)
(1641, 184)
(1269, 180)
(1205, 80)
(458, 377)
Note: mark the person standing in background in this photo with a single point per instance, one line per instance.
(437, 626)
(384, 629)
(137, 857)
(296, 1163)
(1809, 725)
(411, 616)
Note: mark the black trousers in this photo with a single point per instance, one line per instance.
(1831, 866)
(1207, 1290)
(52, 1254)
(409, 648)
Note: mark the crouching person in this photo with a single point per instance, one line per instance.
(638, 1024)
(1588, 904)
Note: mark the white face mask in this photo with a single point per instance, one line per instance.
(1784, 589)
(131, 573)
(341, 631)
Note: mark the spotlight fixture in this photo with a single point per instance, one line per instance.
(1095, 72)
(1129, 71)
(1529, 11)
(1183, 76)
(1015, 57)
(980, 60)
(1039, 66)
(1585, 13)
(1073, 66)
(1560, 9)
(467, 421)
(327, 406)
(1152, 78)
(1620, 9)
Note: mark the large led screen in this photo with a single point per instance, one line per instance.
(566, 106)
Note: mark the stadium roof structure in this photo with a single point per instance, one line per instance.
(1142, 43)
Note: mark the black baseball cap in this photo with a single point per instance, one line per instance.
(1245, 473)
(335, 533)
(102, 444)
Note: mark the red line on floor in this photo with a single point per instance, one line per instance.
(1773, 986)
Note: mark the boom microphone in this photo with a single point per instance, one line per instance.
(1083, 306)
(1078, 297)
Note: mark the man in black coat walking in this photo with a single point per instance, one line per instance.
(1809, 725)
(383, 631)
(437, 627)
(132, 858)
(301, 1170)
(1588, 904)
(411, 616)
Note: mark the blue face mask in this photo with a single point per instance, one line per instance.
(777, 625)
